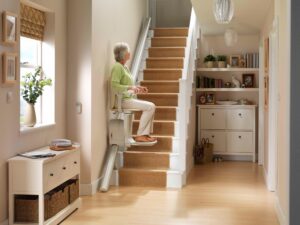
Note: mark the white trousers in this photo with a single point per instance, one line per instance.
(146, 121)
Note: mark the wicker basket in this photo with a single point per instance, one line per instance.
(56, 200)
(26, 208)
(73, 190)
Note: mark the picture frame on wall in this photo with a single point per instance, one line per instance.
(9, 68)
(9, 28)
(248, 80)
(235, 60)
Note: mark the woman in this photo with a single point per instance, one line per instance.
(122, 82)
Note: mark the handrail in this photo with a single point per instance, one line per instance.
(140, 49)
(186, 90)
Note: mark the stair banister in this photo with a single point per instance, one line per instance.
(138, 56)
(186, 89)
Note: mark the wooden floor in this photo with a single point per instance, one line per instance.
(226, 193)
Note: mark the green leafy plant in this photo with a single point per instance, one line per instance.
(33, 85)
(221, 58)
(209, 58)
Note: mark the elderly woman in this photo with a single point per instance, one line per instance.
(122, 82)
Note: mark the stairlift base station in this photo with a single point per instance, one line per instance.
(120, 138)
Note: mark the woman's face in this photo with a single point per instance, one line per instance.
(127, 56)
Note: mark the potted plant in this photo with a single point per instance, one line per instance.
(209, 61)
(221, 61)
(32, 87)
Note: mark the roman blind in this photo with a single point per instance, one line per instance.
(33, 22)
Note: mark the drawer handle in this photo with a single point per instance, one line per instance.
(51, 174)
(75, 162)
(64, 168)
(212, 114)
(240, 137)
(240, 114)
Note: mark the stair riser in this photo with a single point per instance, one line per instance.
(161, 88)
(168, 42)
(142, 178)
(146, 160)
(153, 75)
(164, 144)
(161, 100)
(158, 128)
(153, 52)
(171, 32)
(160, 114)
(174, 63)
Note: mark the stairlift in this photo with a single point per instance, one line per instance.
(120, 138)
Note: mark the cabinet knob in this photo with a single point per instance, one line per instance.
(213, 114)
(75, 162)
(64, 168)
(213, 136)
(240, 114)
(240, 137)
(51, 174)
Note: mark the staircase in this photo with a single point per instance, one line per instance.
(150, 166)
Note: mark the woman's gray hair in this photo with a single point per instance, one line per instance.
(120, 50)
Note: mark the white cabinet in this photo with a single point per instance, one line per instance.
(213, 119)
(39, 176)
(232, 129)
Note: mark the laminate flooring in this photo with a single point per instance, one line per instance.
(224, 193)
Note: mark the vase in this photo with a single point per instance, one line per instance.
(210, 64)
(30, 117)
(221, 64)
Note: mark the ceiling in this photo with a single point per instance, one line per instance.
(249, 16)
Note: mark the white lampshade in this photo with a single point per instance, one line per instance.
(223, 11)
(231, 37)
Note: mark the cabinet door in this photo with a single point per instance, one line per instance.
(213, 119)
(240, 119)
(217, 138)
(241, 142)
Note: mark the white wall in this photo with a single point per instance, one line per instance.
(12, 141)
(173, 13)
(94, 27)
(282, 10)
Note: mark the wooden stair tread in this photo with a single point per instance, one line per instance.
(163, 69)
(146, 152)
(164, 58)
(151, 170)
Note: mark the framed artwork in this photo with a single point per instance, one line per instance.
(10, 68)
(248, 80)
(210, 99)
(202, 99)
(235, 60)
(9, 24)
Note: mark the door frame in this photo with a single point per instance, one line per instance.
(273, 106)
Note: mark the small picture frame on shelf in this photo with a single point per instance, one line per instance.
(202, 99)
(9, 68)
(9, 25)
(248, 80)
(235, 60)
(210, 99)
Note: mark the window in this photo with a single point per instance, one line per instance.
(31, 57)
(37, 48)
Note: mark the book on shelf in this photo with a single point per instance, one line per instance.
(251, 60)
(207, 82)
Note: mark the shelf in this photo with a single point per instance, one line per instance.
(228, 69)
(228, 89)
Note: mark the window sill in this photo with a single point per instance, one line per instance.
(36, 128)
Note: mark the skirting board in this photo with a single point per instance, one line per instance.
(90, 189)
(5, 222)
(281, 217)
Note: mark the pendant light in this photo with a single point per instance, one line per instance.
(223, 11)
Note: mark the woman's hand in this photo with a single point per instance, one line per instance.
(138, 89)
